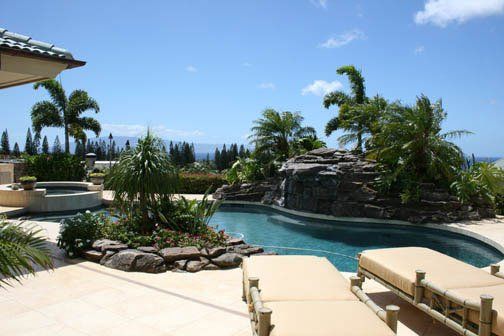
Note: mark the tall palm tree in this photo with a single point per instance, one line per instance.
(352, 116)
(277, 132)
(21, 250)
(66, 112)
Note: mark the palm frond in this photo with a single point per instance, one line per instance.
(45, 114)
(22, 248)
(56, 92)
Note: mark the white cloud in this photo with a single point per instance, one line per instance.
(247, 64)
(191, 68)
(343, 39)
(443, 12)
(137, 130)
(419, 50)
(321, 87)
(268, 86)
(320, 3)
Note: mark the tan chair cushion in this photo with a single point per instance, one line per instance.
(397, 266)
(474, 294)
(325, 318)
(287, 278)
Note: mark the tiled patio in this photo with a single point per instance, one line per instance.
(83, 298)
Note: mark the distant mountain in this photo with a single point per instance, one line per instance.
(201, 149)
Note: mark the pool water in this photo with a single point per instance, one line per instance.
(64, 190)
(341, 241)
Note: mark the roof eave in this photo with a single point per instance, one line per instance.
(72, 63)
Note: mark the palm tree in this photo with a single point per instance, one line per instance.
(66, 112)
(411, 145)
(21, 250)
(355, 115)
(143, 177)
(276, 133)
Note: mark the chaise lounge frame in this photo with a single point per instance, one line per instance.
(260, 316)
(443, 305)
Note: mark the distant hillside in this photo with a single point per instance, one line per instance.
(201, 149)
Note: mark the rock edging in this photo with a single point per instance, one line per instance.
(148, 259)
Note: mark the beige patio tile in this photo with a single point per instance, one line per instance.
(66, 310)
(24, 323)
(218, 324)
(10, 308)
(95, 322)
(131, 328)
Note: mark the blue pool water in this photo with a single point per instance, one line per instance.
(341, 241)
(338, 241)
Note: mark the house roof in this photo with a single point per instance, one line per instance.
(26, 46)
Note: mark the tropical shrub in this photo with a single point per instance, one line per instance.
(309, 143)
(78, 233)
(125, 231)
(22, 248)
(276, 133)
(55, 167)
(245, 170)
(199, 183)
(481, 182)
(143, 178)
(207, 238)
(412, 150)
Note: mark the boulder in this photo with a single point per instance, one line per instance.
(107, 256)
(92, 255)
(235, 241)
(211, 267)
(228, 260)
(148, 249)
(213, 252)
(245, 249)
(104, 245)
(180, 264)
(131, 260)
(172, 254)
(196, 265)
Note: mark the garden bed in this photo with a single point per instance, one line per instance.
(149, 259)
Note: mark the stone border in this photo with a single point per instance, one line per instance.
(436, 226)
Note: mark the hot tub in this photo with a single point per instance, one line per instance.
(53, 196)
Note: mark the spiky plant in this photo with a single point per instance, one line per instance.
(66, 112)
(143, 176)
(22, 249)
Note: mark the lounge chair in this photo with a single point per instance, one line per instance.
(306, 295)
(454, 293)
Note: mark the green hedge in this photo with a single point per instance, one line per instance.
(55, 167)
(193, 183)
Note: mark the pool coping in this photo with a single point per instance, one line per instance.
(472, 231)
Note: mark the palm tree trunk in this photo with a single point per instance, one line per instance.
(67, 141)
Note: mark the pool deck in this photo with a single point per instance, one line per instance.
(82, 298)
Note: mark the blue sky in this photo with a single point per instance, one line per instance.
(203, 70)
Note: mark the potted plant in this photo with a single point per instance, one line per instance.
(28, 182)
(97, 178)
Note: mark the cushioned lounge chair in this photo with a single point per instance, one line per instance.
(465, 298)
(306, 295)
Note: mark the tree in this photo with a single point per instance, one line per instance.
(4, 145)
(79, 149)
(45, 145)
(128, 146)
(357, 115)
(36, 143)
(16, 152)
(276, 132)
(56, 146)
(29, 143)
(413, 149)
(66, 112)
(141, 178)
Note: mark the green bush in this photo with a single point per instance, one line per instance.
(199, 183)
(78, 233)
(27, 179)
(245, 170)
(55, 167)
(208, 238)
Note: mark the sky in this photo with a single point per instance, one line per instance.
(202, 71)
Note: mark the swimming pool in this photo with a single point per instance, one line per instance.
(338, 241)
(341, 241)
